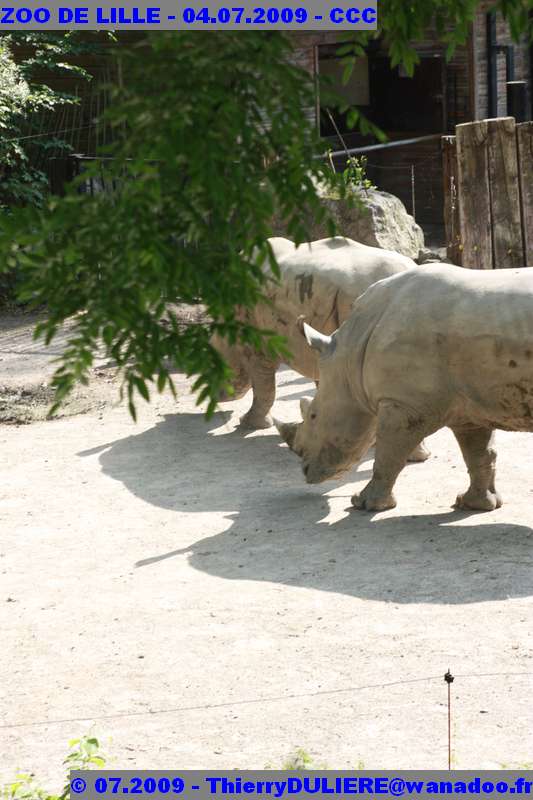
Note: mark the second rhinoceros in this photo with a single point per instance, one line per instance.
(318, 280)
(433, 347)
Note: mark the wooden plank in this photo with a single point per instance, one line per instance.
(507, 245)
(474, 195)
(452, 221)
(524, 135)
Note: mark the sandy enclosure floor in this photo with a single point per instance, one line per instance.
(175, 588)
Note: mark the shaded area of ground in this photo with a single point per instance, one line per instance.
(406, 558)
(175, 588)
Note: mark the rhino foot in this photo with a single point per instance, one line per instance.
(370, 499)
(253, 421)
(479, 500)
(419, 454)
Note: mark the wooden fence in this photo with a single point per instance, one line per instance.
(488, 194)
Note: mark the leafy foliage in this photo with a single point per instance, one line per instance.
(211, 141)
(403, 24)
(84, 754)
(20, 183)
(28, 105)
(355, 173)
(24, 101)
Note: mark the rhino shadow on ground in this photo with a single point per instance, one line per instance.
(279, 527)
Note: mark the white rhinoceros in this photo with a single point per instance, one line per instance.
(432, 347)
(319, 280)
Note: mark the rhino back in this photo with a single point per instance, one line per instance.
(336, 266)
(449, 338)
(320, 280)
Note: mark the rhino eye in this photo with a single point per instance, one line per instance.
(313, 415)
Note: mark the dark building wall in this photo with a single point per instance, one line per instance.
(465, 97)
(456, 75)
(449, 87)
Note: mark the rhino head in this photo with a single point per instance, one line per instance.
(327, 439)
(236, 359)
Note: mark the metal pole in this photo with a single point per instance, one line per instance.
(354, 151)
(413, 205)
(449, 680)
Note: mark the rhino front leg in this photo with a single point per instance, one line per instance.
(400, 431)
(263, 375)
(480, 458)
(419, 454)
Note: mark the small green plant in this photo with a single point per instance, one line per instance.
(300, 759)
(84, 754)
(355, 173)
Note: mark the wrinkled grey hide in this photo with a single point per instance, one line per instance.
(320, 281)
(436, 346)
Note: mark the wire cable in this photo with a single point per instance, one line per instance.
(257, 700)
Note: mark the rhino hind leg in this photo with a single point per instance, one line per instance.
(400, 432)
(263, 375)
(480, 458)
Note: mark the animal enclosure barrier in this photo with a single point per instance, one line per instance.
(410, 169)
(488, 194)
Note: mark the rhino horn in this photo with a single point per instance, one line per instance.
(287, 431)
(318, 341)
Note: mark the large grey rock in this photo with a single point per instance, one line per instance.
(378, 219)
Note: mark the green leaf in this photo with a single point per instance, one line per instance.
(141, 387)
(348, 70)
(161, 381)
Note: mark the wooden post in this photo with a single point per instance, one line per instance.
(474, 194)
(452, 221)
(507, 244)
(524, 135)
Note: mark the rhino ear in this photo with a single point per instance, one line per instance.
(305, 402)
(287, 431)
(318, 341)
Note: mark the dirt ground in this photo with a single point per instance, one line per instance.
(26, 369)
(176, 589)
